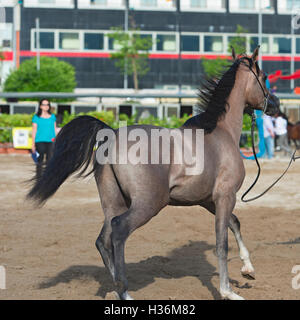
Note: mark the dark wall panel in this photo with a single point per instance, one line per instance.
(102, 73)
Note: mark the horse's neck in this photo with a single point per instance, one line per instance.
(233, 120)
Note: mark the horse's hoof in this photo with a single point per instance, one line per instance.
(125, 296)
(231, 296)
(248, 274)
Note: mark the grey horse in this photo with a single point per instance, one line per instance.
(132, 193)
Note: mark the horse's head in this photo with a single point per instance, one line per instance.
(258, 97)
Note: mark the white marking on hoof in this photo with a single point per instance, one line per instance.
(124, 296)
(127, 296)
(230, 295)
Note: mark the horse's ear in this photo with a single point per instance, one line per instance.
(255, 54)
(233, 53)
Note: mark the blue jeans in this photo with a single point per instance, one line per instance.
(269, 143)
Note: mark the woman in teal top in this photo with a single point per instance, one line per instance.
(43, 133)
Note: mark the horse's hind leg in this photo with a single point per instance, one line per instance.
(224, 207)
(247, 269)
(122, 227)
(103, 244)
(113, 203)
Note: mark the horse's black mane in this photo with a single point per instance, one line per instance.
(213, 95)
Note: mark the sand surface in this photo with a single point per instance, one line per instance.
(50, 253)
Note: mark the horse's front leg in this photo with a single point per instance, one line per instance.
(224, 207)
(247, 269)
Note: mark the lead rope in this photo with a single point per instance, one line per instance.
(293, 158)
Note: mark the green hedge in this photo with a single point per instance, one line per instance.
(24, 120)
(10, 121)
(54, 76)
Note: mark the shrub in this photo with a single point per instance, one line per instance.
(10, 121)
(53, 76)
(24, 120)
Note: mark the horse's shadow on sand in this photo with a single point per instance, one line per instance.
(188, 260)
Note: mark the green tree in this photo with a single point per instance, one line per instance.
(54, 76)
(238, 42)
(214, 67)
(131, 53)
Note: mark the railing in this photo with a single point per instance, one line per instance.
(117, 94)
(107, 94)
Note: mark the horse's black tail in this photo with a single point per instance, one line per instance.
(73, 150)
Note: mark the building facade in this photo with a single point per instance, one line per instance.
(183, 32)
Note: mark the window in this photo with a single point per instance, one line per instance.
(68, 40)
(213, 44)
(148, 3)
(266, 6)
(246, 4)
(93, 41)
(46, 1)
(298, 45)
(292, 4)
(98, 2)
(203, 5)
(7, 3)
(146, 43)
(198, 3)
(281, 45)
(166, 42)
(165, 5)
(101, 4)
(112, 45)
(264, 46)
(190, 43)
(46, 40)
(5, 35)
(146, 36)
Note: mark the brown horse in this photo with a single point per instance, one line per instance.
(294, 133)
(133, 193)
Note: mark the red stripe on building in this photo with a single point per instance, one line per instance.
(185, 56)
(67, 54)
(8, 55)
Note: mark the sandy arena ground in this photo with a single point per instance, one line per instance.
(50, 253)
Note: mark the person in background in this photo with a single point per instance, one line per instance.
(43, 133)
(268, 84)
(281, 132)
(274, 90)
(269, 135)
